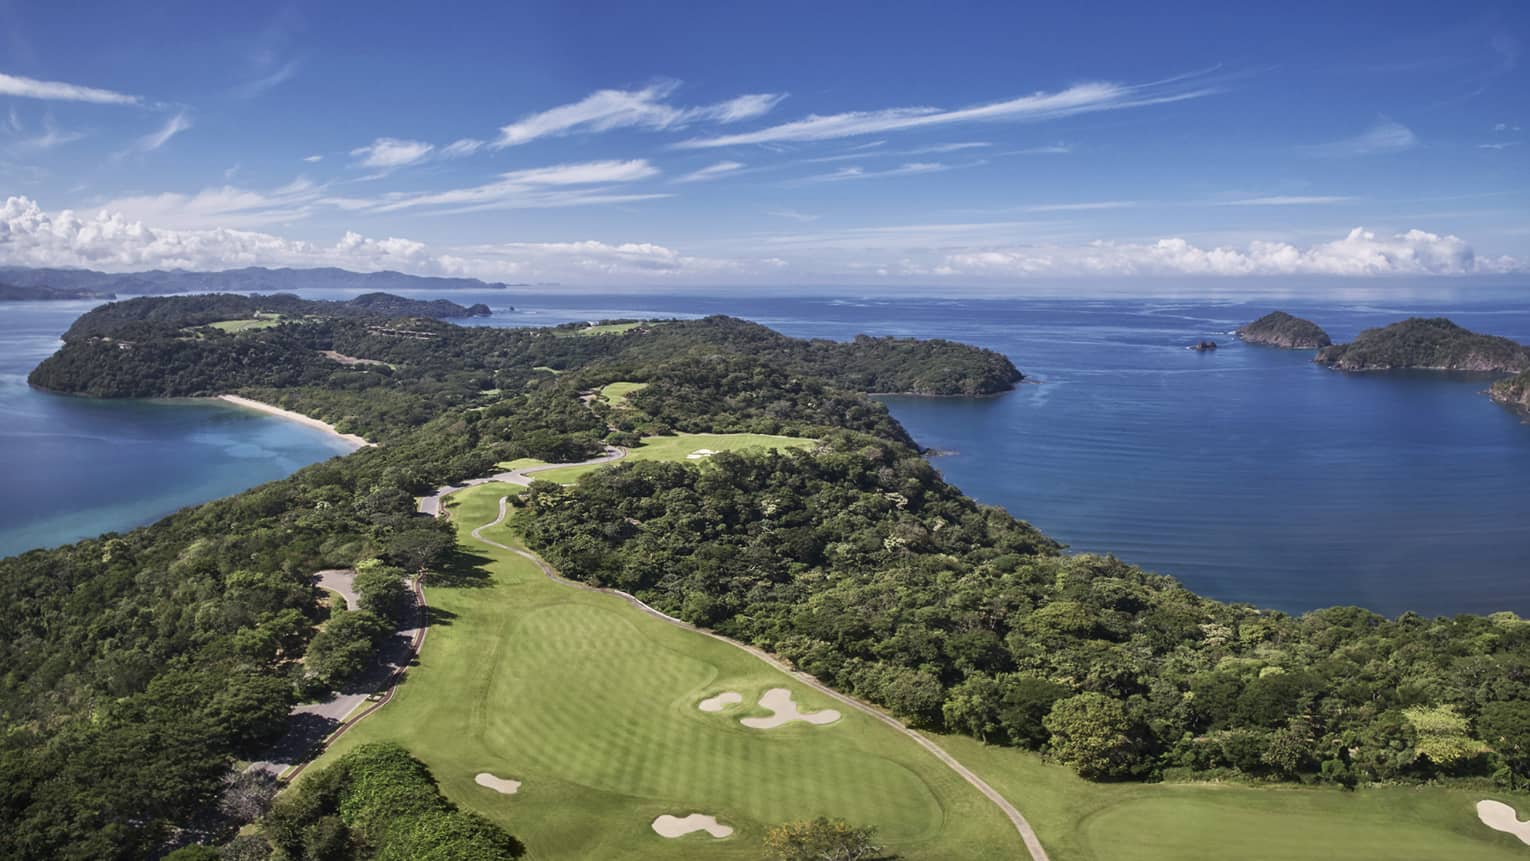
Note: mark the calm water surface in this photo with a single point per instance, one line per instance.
(1249, 473)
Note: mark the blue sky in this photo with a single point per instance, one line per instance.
(784, 143)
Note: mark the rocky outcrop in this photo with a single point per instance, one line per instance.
(1513, 392)
(1203, 346)
(1279, 329)
(1434, 344)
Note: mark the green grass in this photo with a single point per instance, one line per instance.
(616, 394)
(609, 328)
(236, 326)
(1082, 821)
(676, 447)
(593, 705)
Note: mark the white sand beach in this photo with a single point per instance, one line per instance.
(247, 403)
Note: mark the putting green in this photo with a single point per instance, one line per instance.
(616, 394)
(592, 705)
(679, 448)
(1082, 821)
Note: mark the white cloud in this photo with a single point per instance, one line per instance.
(533, 188)
(909, 169)
(713, 171)
(1078, 99)
(1290, 200)
(1050, 149)
(1385, 136)
(948, 147)
(313, 159)
(389, 153)
(794, 215)
(226, 206)
(30, 236)
(604, 110)
(30, 88)
(461, 148)
(1360, 253)
(1080, 207)
(1499, 145)
(176, 124)
(268, 81)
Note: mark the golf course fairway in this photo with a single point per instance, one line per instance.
(593, 706)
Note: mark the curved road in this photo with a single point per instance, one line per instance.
(1028, 834)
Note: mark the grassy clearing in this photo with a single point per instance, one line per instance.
(593, 705)
(609, 328)
(1082, 821)
(616, 394)
(259, 321)
(678, 448)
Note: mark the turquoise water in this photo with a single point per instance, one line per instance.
(1248, 473)
(73, 467)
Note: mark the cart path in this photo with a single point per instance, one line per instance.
(431, 504)
(1032, 842)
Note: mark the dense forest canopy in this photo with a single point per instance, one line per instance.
(1279, 329)
(1434, 343)
(138, 667)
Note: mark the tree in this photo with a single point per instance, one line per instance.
(1089, 732)
(382, 589)
(345, 646)
(1506, 726)
(823, 839)
(420, 548)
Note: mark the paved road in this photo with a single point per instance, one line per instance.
(431, 505)
(341, 580)
(1022, 827)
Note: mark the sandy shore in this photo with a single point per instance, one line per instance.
(297, 417)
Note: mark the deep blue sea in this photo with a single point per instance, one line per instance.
(1248, 473)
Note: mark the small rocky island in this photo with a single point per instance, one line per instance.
(1203, 346)
(1434, 344)
(1279, 329)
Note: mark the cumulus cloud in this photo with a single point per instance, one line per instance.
(1360, 253)
(31, 236)
(389, 153)
(30, 88)
(1078, 99)
(647, 108)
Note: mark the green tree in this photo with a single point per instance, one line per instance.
(382, 589)
(1090, 732)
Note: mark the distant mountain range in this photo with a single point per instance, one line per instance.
(19, 283)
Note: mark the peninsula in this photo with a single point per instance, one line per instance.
(1434, 344)
(1279, 329)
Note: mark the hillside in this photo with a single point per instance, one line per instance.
(1279, 329)
(1513, 392)
(18, 293)
(253, 279)
(1434, 344)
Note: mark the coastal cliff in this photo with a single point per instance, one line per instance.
(1513, 392)
(1429, 344)
(1279, 329)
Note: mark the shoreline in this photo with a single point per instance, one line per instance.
(269, 409)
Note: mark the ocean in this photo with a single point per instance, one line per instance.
(1248, 473)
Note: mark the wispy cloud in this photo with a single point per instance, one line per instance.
(1386, 136)
(280, 75)
(948, 147)
(1079, 99)
(559, 185)
(1291, 200)
(604, 110)
(1050, 149)
(1498, 145)
(1080, 207)
(390, 153)
(50, 136)
(849, 173)
(462, 148)
(713, 171)
(30, 88)
(176, 124)
(794, 215)
(313, 159)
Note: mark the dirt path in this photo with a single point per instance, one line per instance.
(1032, 842)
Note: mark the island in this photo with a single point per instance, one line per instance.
(251, 279)
(1279, 329)
(1435, 344)
(750, 533)
(1203, 346)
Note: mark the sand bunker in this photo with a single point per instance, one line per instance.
(779, 700)
(721, 701)
(498, 784)
(700, 453)
(675, 826)
(1501, 817)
